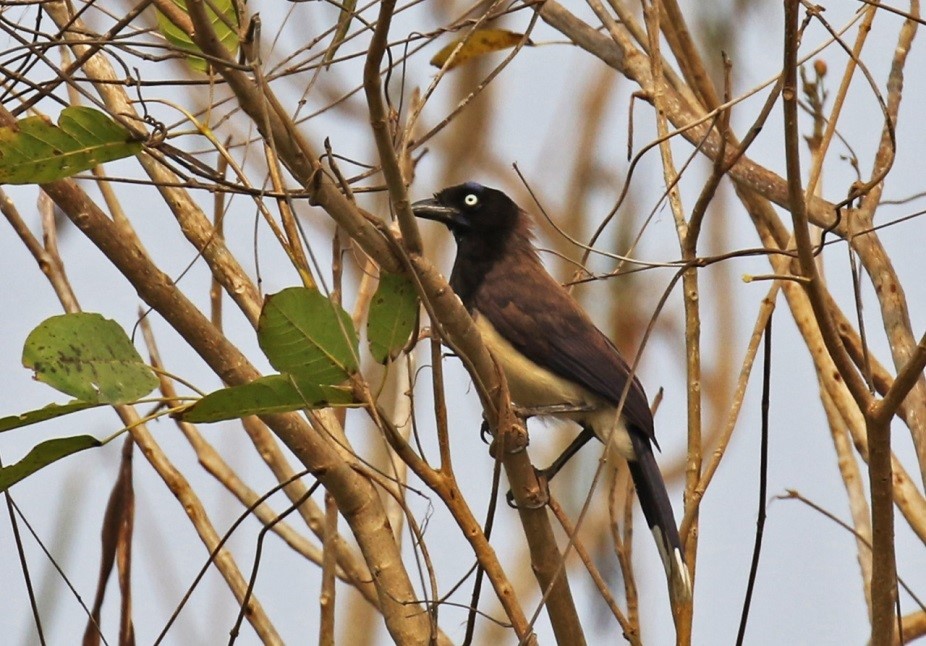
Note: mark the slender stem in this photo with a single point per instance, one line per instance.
(327, 596)
(763, 482)
(682, 611)
(883, 581)
(392, 171)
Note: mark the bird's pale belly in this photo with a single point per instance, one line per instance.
(533, 386)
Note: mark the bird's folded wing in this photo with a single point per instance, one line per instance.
(546, 325)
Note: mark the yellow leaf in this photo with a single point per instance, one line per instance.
(483, 41)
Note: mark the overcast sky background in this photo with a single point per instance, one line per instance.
(808, 591)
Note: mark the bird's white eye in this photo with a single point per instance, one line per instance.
(471, 200)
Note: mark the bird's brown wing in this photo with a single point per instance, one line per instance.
(543, 322)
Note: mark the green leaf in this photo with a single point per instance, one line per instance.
(271, 394)
(35, 151)
(224, 23)
(393, 311)
(42, 414)
(88, 357)
(44, 454)
(305, 334)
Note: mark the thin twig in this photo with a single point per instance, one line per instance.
(599, 581)
(763, 483)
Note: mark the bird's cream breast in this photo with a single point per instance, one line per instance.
(532, 386)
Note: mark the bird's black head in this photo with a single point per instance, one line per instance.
(473, 209)
(490, 231)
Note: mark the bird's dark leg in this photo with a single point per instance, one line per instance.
(580, 440)
(545, 475)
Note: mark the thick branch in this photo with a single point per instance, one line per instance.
(450, 318)
(883, 579)
(695, 127)
(906, 495)
(357, 499)
(814, 284)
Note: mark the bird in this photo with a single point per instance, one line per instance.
(552, 354)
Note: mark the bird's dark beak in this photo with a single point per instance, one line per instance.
(431, 209)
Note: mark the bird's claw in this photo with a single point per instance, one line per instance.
(485, 433)
(537, 497)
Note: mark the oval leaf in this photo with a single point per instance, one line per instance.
(35, 151)
(224, 24)
(88, 357)
(478, 43)
(44, 454)
(305, 334)
(45, 413)
(270, 394)
(392, 317)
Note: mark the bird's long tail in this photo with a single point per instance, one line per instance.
(651, 490)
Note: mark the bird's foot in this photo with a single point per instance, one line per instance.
(485, 434)
(513, 442)
(536, 497)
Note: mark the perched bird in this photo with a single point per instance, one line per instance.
(549, 349)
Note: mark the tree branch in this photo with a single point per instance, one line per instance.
(372, 86)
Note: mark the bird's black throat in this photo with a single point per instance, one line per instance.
(479, 257)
